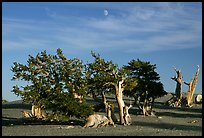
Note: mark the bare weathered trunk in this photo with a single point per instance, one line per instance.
(113, 116)
(96, 120)
(191, 88)
(138, 103)
(189, 96)
(178, 79)
(127, 118)
(37, 112)
(147, 105)
(77, 96)
(104, 99)
(26, 114)
(109, 110)
(119, 96)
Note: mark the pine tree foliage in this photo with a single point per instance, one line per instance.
(99, 74)
(143, 80)
(52, 81)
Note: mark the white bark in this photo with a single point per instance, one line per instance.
(191, 88)
(198, 99)
(119, 97)
(37, 112)
(96, 120)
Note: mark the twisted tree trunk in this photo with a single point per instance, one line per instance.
(191, 88)
(109, 110)
(37, 112)
(124, 116)
(119, 96)
(178, 79)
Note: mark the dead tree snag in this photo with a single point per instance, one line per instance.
(127, 118)
(26, 114)
(191, 88)
(178, 79)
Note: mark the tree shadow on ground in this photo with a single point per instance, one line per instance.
(168, 126)
(171, 112)
(158, 105)
(179, 115)
(9, 121)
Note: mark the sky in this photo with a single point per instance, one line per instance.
(163, 33)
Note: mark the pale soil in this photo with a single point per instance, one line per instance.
(170, 122)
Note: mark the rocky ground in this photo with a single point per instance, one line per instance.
(170, 121)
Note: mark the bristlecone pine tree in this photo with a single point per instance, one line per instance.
(143, 84)
(54, 82)
(107, 77)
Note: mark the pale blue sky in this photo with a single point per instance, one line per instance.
(166, 34)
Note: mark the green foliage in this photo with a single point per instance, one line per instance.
(53, 79)
(98, 74)
(142, 77)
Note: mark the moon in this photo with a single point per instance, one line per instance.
(105, 12)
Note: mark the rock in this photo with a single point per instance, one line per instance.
(198, 99)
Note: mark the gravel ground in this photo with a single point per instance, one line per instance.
(169, 122)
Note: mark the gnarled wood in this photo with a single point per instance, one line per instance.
(127, 118)
(96, 120)
(119, 97)
(77, 96)
(38, 112)
(191, 87)
(26, 114)
(109, 111)
(178, 79)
